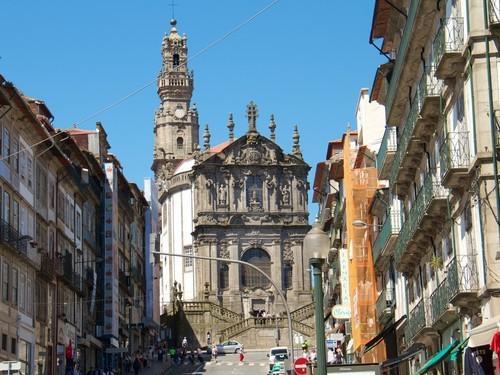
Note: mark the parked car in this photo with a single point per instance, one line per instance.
(229, 347)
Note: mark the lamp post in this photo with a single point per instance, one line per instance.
(280, 292)
(316, 244)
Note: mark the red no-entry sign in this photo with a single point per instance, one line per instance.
(300, 366)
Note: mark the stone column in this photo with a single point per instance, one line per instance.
(300, 269)
(276, 271)
(234, 276)
(214, 269)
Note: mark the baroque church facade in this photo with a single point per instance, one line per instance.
(244, 199)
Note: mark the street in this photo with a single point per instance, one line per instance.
(254, 363)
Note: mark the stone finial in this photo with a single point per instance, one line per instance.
(230, 126)
(252, 114)
(296, 146)
(272, 128)
(206, 138)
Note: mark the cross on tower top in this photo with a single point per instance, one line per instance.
(252, 114)
(173, 5)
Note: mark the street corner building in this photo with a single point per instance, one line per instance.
(244, 199)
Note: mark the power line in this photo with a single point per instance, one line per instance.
(203, 50)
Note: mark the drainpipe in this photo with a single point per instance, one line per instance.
(493, 129)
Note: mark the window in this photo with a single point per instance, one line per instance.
(52, 194)
(188, 262)
(254, 191)
(250, 277)
(5, 281)
(15, 214)
(4, 342)
(15, 155)
(6, 207)
(22, 291)
(15, 287)
(78, 225)
(180, 143)
(287, 275)
(29, 171)
(13, 345)
(29, 296)
(224, 276)
(176, 59)
(6, 145)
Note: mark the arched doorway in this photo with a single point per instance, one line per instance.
(251, 278)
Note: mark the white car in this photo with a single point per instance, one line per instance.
(277, 354)
(229, 347)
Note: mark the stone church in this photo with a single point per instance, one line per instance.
(243, 199)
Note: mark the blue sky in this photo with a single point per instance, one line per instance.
(304, 61)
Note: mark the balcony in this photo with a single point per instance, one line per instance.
(12, 238)
(494, 16)
(47, 268)
(455, 159)
(385, 305)
(447, 48)
(426, 217)
(429, 95)
(419, 321)
(458, 289)
(123, 279)
(384, 243)
(385, 155)
(421, 16)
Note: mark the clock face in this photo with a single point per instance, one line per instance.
(179, 113)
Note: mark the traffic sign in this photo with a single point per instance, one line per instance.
(300, 366)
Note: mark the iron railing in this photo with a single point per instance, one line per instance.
(392, 226)
(455, 152)
(389, 144)
(404, 139)
(462, 277)
(418, 319)
(384, 301)
(401, 55)
(431, 189)
(47, 267)
(11, 237)
(136, 274)
(271, 322)
(429, 85)
(494, 11)
(449, 38)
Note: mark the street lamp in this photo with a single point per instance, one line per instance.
(237, 261)
(316, 245)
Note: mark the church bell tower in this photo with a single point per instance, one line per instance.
(176, 121)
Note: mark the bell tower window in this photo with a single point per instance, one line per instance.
(176, 60)
(180, 143)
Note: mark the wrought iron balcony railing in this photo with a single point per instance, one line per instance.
(418, 319)
(404, 140)
(47, 267)
(11, 237)
(429, 85)
(461, 278)
(455, 153)
(392, 226)
(494, 12)
(389, 145)
(430, 190)
(449, 40)
(385, 303)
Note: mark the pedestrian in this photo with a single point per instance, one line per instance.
(184, 343)
(200, 357)
(242, 355)
(330, 357)
(214, 353)
(339, 356)
(209, 339)
(137, 365)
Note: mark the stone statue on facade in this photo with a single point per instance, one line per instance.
(222, 195)
(285, 195)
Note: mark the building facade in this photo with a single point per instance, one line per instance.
(437, 249)
(245, 199)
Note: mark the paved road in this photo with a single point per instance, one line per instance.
(255, 363)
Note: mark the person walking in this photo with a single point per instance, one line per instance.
(184, 343)
(137, 365)
(214, 353)
(330, 358)
(242, 355)
(339, 356)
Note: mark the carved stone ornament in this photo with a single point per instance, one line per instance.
(256, 243)
(222, 195)
(287, 252)
(223, 250)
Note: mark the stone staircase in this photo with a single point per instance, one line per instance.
(259, 323)
(303, 313)
(216, 311)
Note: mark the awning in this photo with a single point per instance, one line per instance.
(482, 334)
(405, 356)
(437, 358)
(377, 339)
(455, 353)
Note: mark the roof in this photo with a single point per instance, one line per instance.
(381, 13)
(77, 131)
(187, 164)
